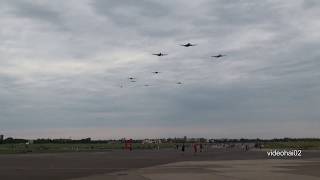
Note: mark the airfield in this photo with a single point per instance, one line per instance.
(158, 165)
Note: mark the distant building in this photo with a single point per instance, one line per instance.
(29, 142)
(151, 141)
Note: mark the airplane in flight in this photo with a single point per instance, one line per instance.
(188, 45)
(219, 56)
(160, 54)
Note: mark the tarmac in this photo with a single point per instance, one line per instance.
(275, 169)
(159, 164)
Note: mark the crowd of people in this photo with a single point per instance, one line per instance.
(196, 147)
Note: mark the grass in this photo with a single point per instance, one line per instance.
(305, 145)
(54, 148)
(95, 147)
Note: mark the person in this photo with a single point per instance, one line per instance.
(201, 147)
(195, 148)
(183, 148)
(130, 145)
(177, 146)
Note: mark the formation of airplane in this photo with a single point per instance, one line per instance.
(132, 79)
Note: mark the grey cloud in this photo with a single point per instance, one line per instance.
(130, 12)
(70, 77)
(33, 10)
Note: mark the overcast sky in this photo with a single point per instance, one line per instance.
(63, 63)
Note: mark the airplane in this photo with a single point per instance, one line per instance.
(188, 45)
(179, 83)
(156, 72)
(160, 54)
(146, 85)
(219, 56)
(131, 78)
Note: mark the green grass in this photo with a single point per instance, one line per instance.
(305, 145)
(54, 148)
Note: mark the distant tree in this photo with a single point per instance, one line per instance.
(11, 140)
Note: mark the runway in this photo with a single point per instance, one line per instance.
(63, 166)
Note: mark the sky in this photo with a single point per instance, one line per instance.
(64, 68)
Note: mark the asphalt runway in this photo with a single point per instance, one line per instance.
(63, 166)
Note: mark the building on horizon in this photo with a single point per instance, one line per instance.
(151, 141)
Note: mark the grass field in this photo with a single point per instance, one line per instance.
(47, 148)
(81, 147)
(305, 145)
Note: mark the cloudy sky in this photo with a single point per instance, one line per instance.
(63, 63)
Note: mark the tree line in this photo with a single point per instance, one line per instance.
(11, 140)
